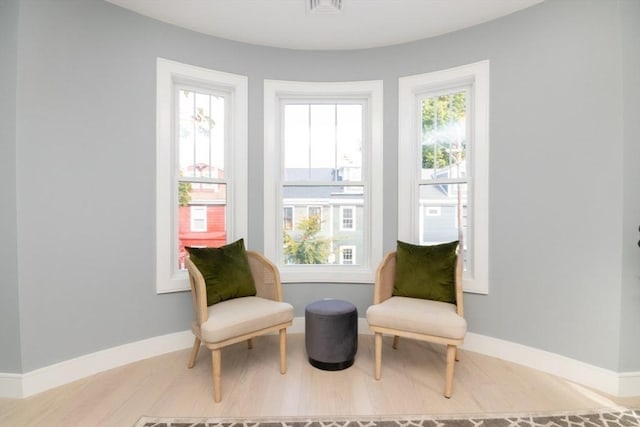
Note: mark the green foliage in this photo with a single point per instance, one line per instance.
(438, 114)
(439, 110)
(306, 247)
(184, 193)
(434, 157)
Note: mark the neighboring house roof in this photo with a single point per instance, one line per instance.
(302, 175)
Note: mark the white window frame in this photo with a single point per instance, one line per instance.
(353, 218)
(198, 212)
(411, 88)
(371, 92)
(169, 278)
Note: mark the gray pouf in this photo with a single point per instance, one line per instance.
(331, 334)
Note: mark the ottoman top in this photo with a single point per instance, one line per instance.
(330, 306)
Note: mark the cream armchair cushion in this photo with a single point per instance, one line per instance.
(241, 316)
(418, 316)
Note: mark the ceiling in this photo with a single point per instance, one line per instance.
(291, 23)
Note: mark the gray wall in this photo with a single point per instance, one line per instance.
(10, 358)
(558, 191)
(630, 321)
(556, 182)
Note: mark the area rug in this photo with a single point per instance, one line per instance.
(626, 418)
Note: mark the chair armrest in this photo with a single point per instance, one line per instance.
(385, 274)
(198, 292)
(266, 276)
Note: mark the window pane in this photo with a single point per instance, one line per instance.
(316, 239)
(296, 140)
(444, 136)
(322, 139)
(201, 216)
(442, 209)
(201, 131)
(322, 142)
(349, 142)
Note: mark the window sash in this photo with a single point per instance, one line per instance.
(342, 184)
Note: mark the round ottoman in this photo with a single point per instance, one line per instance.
(331, 334)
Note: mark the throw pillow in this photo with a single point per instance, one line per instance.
(225, 270)
(426, 272)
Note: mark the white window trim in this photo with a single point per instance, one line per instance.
(274, 91)
(169, 73)
(410, 88)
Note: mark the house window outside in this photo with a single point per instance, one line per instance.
(432, 211)
(198, 219)
(321, 141)
(315, 211)
(201, 174)
(443, 133)
(347, 218)
(287, 218)
(347, 255)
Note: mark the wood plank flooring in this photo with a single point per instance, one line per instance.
(412, 383)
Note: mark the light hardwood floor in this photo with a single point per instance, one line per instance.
(412, 383)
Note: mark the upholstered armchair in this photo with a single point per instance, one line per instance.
(417, 318)
(237, 319)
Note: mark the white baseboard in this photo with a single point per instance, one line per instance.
(555, 364)
(10, 385)
(629, 384)
(39, 380)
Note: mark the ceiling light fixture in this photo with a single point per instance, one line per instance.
(323, 7)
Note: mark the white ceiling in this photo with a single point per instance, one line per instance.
(360, 23)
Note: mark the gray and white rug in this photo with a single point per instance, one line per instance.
(626, 418)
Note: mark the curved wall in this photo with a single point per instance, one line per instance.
(85, 171)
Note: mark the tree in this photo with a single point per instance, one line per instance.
(184, 193)
(306, 247)
(441, 115)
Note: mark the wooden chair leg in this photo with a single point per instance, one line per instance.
(283, 351)
(378, 354)
(194, 352)
(451, 360)
(215, 362)
(396, 339)
(250, 343)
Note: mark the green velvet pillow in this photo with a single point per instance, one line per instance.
(426, 272)
(225, 270)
